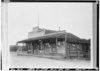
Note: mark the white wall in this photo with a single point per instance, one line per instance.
(37, 34)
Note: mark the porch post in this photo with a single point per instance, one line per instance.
(17, 46)
(31, 48)
(66, 51)
(23, 49)
(56, 44)
(22, 46)
(51, 47)
(41, 45)
(28, 48)
(44, 48)
(38, 48)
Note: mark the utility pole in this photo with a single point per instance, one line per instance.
(38, 16)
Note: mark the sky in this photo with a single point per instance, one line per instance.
(75, 18)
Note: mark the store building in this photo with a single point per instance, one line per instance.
(51, 42)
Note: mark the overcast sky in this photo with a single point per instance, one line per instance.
(75, 18)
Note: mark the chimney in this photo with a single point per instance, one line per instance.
(59, 29)
(38, 27)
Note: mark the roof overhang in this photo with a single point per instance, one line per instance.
(47, 36)
(60, 34)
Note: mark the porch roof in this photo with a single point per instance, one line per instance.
(70, 38)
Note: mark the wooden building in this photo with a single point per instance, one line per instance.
(50, 42)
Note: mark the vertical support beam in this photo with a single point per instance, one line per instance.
(41, 45)
(17, 43)
(23, 49)
(51, 47)
(28, 48)
(56, 44)
(66, 51)
(38, 48)
(31, 48)
(17, 47)
(20, 47)
(44, 48)
(23, 46)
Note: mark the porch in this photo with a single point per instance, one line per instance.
(57, 44)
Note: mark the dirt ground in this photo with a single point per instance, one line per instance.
(31, 61)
